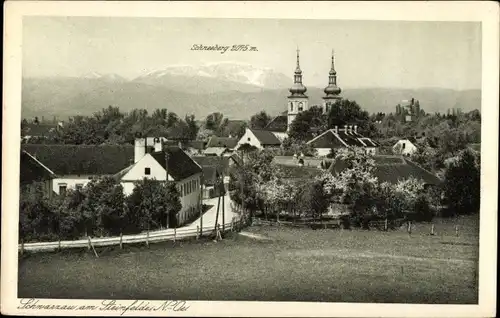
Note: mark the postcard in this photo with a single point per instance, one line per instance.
(250, 159)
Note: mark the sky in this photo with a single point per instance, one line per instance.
(402, 54)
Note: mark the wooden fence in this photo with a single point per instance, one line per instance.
(148, 237)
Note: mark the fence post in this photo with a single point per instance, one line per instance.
(88, 242)
(432, 229)
(121, 240)
(197, 231)
(22, 246)
(59, 243)
(385, 225)
(456, 230)
(175, 233)
(147, 238)
(409, 227)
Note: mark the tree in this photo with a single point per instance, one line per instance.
(347, 112)
(307, 122)
(462, 183)
(259, 120)
(152, 204)
(37, 219)
(192, 127)
(213, 121)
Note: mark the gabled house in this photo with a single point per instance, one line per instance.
(259, 138)
(218, 146)
(405, 146)
(75, 165)
(31, 170)
(338, 138)
(168, 163)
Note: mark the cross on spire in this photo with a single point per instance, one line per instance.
(298, 63)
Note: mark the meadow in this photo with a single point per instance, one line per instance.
(272, 263)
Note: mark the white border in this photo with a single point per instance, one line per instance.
(486, 12)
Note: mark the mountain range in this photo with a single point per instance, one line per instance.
(236, 90)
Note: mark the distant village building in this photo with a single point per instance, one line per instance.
(214, 167)
(166, 163)
(259, 138)
(408, 110)
(342, 138)
(405, 146)
(74, 166)
(218, 146)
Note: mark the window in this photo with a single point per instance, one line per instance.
(184, 190)
(301, 106)
(62, 188)
(404, 145)
(147, 171)
(79, 186)
(291, 106)
(248, 138)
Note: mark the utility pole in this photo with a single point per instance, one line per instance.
(223, 195)
(165, 151)
(201, 202)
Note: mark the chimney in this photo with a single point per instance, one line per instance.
(139, 148)
(158, 143)
(355, 129)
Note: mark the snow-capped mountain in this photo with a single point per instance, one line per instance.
(226, 71)
(107, 77)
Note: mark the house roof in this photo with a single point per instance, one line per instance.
(38, 129)
(339, 139)
(217, 151)
(180, 165)
(82, 159)
(392, 169)
(32, 170)
(278, 124)
(292, 161)
(266, 138)
(212, 161)
(223, 142)
(299, 172)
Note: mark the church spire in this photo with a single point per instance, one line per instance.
(297, 69)
(332, 89)
(298, 89)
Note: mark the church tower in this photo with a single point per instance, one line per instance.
(332, 91)
(297, 100)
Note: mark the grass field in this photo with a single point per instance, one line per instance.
(290, 265)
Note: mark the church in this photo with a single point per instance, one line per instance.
(298, 101)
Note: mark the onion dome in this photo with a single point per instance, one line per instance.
(297, 89)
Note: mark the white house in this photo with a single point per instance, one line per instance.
(259, 138)
(338, 138)
(167, 163)
(75, 165)
(405, 146)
